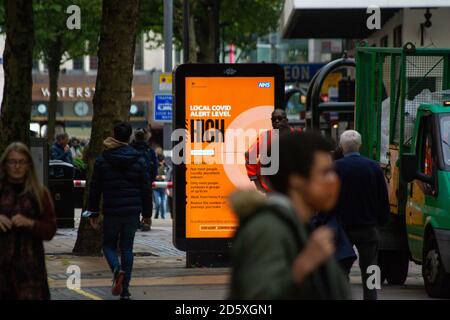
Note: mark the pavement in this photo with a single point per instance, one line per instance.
(159, 272)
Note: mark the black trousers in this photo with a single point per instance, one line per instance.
(366, 240)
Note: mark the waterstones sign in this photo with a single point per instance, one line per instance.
(73, 92)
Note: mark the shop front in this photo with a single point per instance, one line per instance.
(75, 109)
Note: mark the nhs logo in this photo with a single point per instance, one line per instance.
(264, 84)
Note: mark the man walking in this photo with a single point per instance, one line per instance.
(363, 203)
(121, 175)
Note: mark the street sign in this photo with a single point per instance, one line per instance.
(165, 82)
(331, 81)
(302, 72)
(163, 107)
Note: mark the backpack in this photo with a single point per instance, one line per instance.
(149, 161)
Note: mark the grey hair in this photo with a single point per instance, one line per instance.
(350, 141)
(61, 136)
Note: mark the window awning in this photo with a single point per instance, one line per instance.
(340, 18)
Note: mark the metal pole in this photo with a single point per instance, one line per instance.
(168, 49)
(168, 34)
(185, 31)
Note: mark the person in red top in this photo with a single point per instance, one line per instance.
(279, 121)
(27, 218)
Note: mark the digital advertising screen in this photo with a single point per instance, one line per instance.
(222, 117)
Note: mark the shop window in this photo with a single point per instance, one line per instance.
(93, 62)
(137, 109)
(78, 63)
(398, 36)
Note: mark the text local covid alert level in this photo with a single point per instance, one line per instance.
(210, 111)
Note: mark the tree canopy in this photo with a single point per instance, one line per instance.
(241, 21)
(50, 28)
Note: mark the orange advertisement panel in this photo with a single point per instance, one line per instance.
(224, 116)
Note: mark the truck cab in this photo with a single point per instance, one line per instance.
(426, 169)
(402, 112)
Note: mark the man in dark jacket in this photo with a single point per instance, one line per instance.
(274, 256)
(60, 149)
(363, 203)
(121, 176)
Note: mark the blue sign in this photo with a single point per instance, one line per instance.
(303, 72)
(163, 107)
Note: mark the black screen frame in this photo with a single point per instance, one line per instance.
(179, 173)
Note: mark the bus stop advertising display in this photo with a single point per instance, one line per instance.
(221, 110)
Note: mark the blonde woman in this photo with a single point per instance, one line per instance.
(27, 218)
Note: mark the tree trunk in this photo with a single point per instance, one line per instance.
(18, 63)
(205, 23)
(193, 55)
(54, 57)
(112, 98)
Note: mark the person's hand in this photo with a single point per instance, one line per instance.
(5, 223)
(321, 244)
(319, 248)
(20, 220)
(66, 148)
(94, 222)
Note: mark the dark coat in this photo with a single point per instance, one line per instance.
(363, 198)
(122, 177)
(23, 274)
(344, 247)
(57, 153)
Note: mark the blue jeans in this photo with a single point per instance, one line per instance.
(119, 232)
(160, 198)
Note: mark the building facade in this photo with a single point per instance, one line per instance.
(408, 25)
(76, 88)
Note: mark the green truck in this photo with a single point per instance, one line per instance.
(402, 111)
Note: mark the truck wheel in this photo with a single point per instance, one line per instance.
(437, 281)
(394, 266)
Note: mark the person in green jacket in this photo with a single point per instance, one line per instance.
(273, 255)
